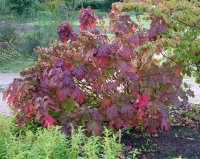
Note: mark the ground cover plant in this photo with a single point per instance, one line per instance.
(88, 79)
(50, 143)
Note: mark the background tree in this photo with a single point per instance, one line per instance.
(182, 43)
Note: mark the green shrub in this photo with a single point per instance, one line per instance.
(4, 7)
(22, 6)
(95, 4)
(39, 143)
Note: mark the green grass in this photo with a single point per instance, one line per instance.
(16, 64)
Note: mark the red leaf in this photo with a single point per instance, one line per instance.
(142, 100)
(11, 98)
(78, 95)
(63, 93)
(117, 123)
(79, 72)
(106, 103)
(102, 61)
(48, 121)
(88, 19)
(103, 51)
(30, 107)
(178, 71)
(158, 26)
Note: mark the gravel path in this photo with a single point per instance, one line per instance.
(6, 78)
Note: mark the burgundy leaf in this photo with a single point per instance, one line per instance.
(127, 53)
(88, 19)
(133, 76)
(66, 33)
(134, 39)
(112, 112)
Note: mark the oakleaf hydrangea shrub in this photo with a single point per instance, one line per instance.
(91, 80)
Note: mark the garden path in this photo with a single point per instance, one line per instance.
(6, 78)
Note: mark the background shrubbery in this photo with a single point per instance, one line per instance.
(29, 8)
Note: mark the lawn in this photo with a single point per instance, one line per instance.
(16, 65)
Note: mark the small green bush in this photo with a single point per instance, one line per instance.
(52, 144)
(95, 4)
(4, 7)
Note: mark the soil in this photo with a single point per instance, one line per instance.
(180, 141)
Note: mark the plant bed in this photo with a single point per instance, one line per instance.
(180, 141)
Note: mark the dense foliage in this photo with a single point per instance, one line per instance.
(91, 80)
(23, 7)
(51, 143)
(181, 43)
(4, 7)
(30, 8)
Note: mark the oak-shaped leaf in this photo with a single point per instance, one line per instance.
(127, 53)
(79, 72)
(125, 66)
(77, 95)
(48, 121)
(158, 26)
(116, 123)
(102, 61)
(65, 32)
(88, 19)
(142, 100)
(134, 39)
(63, 93)
(112, 112)
(127, 111)
(103, 50)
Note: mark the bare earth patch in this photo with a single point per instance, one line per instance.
(178, 142)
